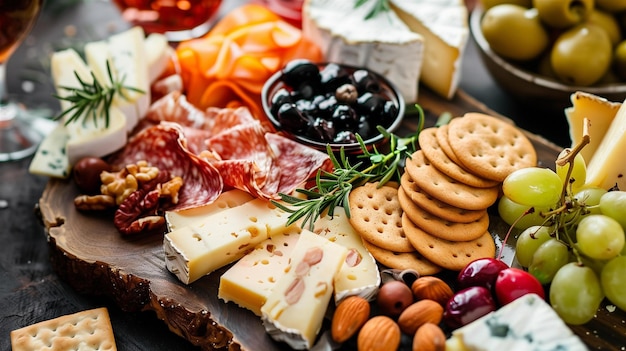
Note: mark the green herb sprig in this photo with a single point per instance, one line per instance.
(92, 99)
(380, 6)
(332, 189)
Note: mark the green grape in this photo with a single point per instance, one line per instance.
(510, 212)
(528, 242)
(590, 197)
(548, 259)
(578, 177)
(575, 293)
(613, 204)
(533, 186)
(613, 282)
(600, 237)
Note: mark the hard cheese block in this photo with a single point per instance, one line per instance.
(221, 238)
(382, 43)
(443, 25)
(250, 280)
(599, 111)
(527, 323)
(359, 274)
(607, 168)
(295, 309)
(228, 199)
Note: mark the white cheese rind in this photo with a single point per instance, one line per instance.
(527, 323)
(383, 43)
(361, 279)
(196, 250)
(443, 25)
(293, 318)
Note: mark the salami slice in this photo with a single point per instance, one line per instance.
(164, 146)
(174, 107)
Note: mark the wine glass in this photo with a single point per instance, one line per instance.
(17, 139)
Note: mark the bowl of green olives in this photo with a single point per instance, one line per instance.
(321, 104)
(543, 51)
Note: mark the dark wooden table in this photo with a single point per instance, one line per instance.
(30, 291)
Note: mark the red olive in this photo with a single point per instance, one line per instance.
(393, 297)
(86, 174)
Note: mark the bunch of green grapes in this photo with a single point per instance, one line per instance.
(572, 236)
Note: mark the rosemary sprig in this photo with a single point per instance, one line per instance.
(380, 6)
(91, 99)
(332, 189)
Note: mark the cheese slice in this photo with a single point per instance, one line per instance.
(359, 274)
(295, 309)
(158, 53)
(250, 280)
(528, 323)
(125, 55)
(51, 157)
(87, 136)
(196, 250)
(383, 43)
(443, 25)
(607, 168)
(599, 111)
(228, 199)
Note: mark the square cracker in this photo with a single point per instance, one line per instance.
(86, 330)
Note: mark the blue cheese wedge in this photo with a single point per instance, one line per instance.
(51, 156)
(527, 323)
(295, 309)
(359, 274)
(384, 43)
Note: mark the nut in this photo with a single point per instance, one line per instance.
(432, 288)
(420, 312)
(429, 337)
(380, 333)
(350, 315)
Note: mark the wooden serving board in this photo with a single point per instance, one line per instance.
(88, 252)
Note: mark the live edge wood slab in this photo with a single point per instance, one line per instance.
(90, 255)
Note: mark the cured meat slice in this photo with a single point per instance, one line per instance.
(164, 146)
(174, 107)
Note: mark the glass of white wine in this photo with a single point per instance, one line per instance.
(17, 139)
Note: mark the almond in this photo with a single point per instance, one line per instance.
(420, 312)
(432, 288)
(429, 337)
(380, 333)
(350, 315)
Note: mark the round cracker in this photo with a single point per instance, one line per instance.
(443, 229)
(453, 255)
(409, 191)
(442, 138)
(402, 260)
(376, 215)
(446, 189)
(438, 158)
(490, 147)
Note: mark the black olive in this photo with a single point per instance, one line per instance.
(344, 117)
(326, 106)
(345, 137)
(301, 72)
(306, 90)
(372, 105)
(306, 106)
(365, 128)
(280, 97)
(365, 81)
(322, 130)
(390, 112)
(333, 76)
(291, 119)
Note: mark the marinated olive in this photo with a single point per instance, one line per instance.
(514, 32)
(322, 130)
(86, 174)
(364, 81)
(582, 55)
(345, 136)
(301, 72)
(608, 22)
(292, 119)
(612, 6)
(280, 97)
(619, 59)
(563, 13)
(333, 76)
(344, 117)
(372, 105)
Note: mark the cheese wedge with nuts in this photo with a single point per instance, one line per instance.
(295, 309)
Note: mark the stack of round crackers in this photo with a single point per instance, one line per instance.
(437, 218)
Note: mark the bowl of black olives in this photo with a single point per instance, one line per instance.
(320, 104)
(543, 51)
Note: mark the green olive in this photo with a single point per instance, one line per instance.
(582, 55)
(608, 22)
(487, 4)
(514, 32)
(611, 5)
(619, 59)
(563, 13)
